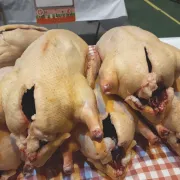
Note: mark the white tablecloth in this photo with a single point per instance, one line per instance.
(23, 11)
(174, 41)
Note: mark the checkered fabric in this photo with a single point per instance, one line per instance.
(155, 162)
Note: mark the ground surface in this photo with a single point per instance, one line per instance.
(144, 13)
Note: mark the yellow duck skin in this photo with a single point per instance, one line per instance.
(53, 70)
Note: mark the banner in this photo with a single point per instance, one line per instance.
(54, 11)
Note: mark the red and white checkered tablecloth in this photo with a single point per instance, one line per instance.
(156, 162)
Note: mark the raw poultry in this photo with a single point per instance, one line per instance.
(124, 119)
(104, 155)
(9, 153)
(141, 69)
(14, 39)
(113, 154)
(110, 156)
(47, 93)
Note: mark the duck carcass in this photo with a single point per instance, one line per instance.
(141, 69)
(14, 39)
(48, 92)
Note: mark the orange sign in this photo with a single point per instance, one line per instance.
(54, 14)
